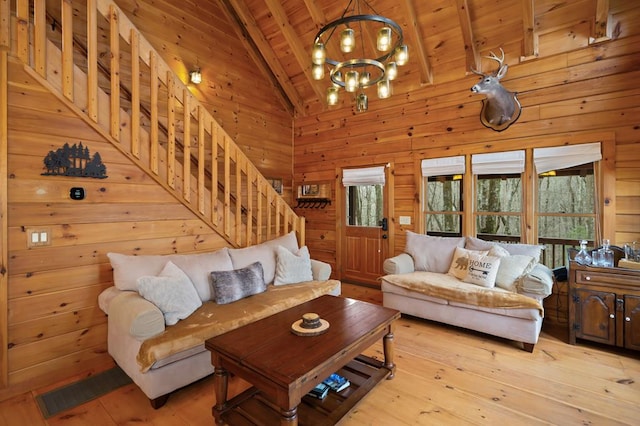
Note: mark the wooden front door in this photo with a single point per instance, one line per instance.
(365, 242)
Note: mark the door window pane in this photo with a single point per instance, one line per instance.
(364, 205)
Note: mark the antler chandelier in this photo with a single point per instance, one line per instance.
(358, 65)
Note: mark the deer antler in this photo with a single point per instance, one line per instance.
(493, 57)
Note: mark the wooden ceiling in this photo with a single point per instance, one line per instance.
(446, 38)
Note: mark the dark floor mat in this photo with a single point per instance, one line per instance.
(74, 394)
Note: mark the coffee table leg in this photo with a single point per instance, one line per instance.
(289, 417)
(220, 380)
(387, 346)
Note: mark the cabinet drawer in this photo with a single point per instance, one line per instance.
(594, 277)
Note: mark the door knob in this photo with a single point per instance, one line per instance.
(384, 236)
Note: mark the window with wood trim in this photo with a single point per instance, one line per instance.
(443, 208)
(563, 207)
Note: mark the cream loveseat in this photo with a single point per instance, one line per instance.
(471, 283)
(161, 309)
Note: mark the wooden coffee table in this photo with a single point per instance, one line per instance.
(283, 367)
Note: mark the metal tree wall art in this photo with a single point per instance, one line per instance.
(75, 161)
(500, 108)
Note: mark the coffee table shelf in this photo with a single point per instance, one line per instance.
(253, 407)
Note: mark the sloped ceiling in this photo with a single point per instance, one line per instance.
(446, 38)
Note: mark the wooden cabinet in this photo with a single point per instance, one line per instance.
(604, 305)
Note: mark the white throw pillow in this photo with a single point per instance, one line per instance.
(512, 269)
(172, 292)
(432, 254)
(292, 268)
(460, 261)
(482, 270)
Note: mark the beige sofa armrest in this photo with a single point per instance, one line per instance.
(321, 271)
(400, 264)
(539, 281)
(133, 314)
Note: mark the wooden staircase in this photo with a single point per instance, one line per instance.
(137, 103)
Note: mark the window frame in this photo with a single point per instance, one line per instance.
(605, 181)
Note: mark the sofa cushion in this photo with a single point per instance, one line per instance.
(482, 270)
(532, 250)
(265, 253)
(292, 268)
(432, 254)
(229, 286)
(128, 268)
(172, 292)
(198, 267)
(460, 261)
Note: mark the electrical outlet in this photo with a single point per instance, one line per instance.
(38, 237)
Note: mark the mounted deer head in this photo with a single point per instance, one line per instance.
(500, 108)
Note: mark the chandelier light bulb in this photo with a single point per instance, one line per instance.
(384, 89)
(365, 77)
(351, 81)
(347, 40)
(391, 71)
(317, 71)
(332, 95)
(384, 39)
(402, 55)
(318, 54)
(362, 102)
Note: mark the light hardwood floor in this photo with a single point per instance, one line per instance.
(444, 376)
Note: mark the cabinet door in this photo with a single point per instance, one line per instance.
(632, 322)
(595, 316)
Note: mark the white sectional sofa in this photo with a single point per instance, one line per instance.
(156, 333)
(467, 282)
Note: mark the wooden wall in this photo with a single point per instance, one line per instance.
(237, 94)
(587, 94)
(55, 327)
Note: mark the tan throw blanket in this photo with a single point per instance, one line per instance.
(212, 319)
(447, 287)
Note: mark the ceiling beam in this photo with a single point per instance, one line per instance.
(530, 39)
(293, 40)
(262, 53)
(472, 54)
(426, 73)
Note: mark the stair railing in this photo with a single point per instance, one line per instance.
(178, 143)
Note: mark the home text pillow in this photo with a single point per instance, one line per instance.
(460, 261)
(432, 254)
(482, 270)
(230, 286)
(292, 268)
(172, 292)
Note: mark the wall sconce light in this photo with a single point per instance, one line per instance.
(195, 76)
